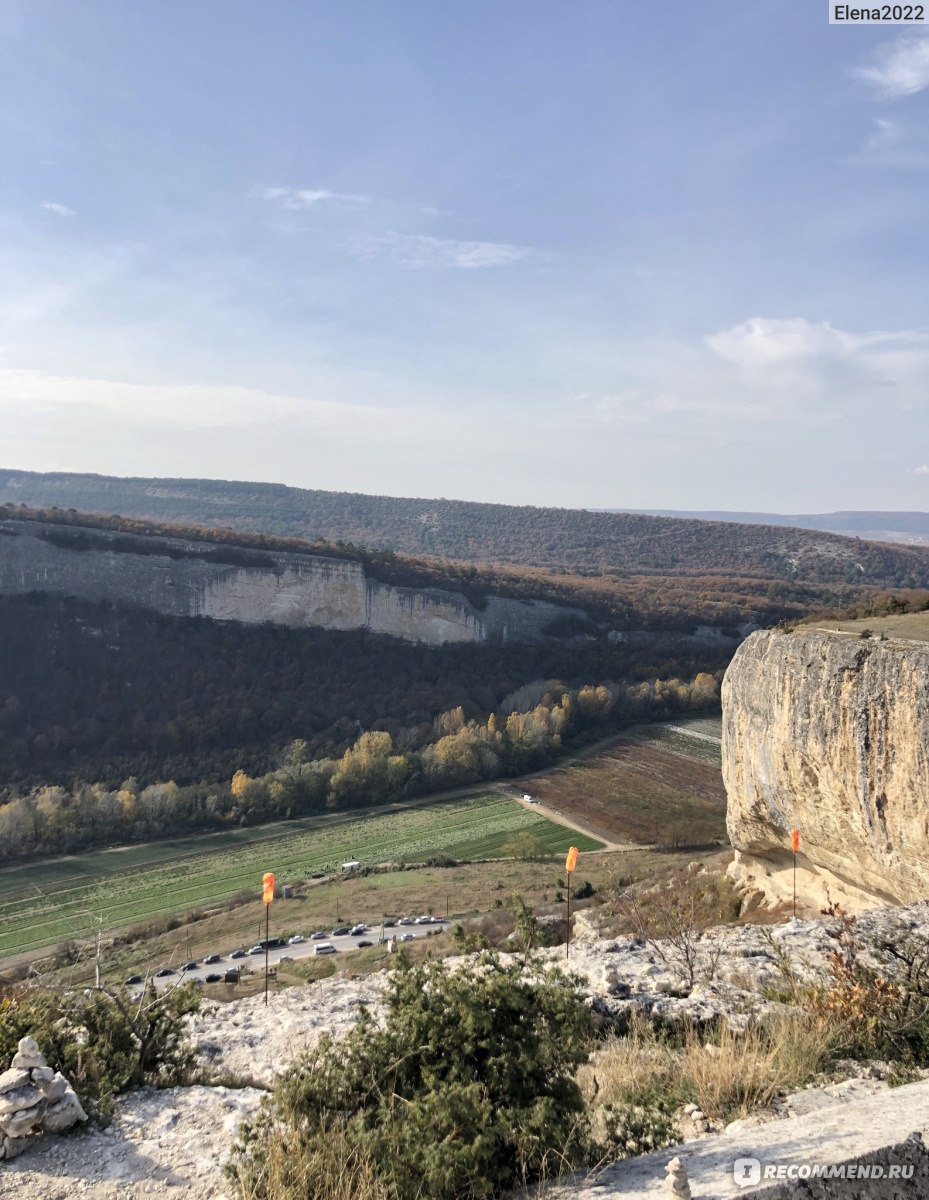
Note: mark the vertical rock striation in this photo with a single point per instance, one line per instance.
(829, 733)
(187, 578)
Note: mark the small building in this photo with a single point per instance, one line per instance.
(349, 867)
(287, 891)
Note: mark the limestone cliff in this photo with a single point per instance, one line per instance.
(829, 733)
(187, 578)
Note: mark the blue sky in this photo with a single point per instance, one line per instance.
(590, 253)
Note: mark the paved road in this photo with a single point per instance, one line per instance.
(307, 949)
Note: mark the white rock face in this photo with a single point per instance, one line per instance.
(192, 578)
(828, 734)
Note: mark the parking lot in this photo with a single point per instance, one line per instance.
(316, 942)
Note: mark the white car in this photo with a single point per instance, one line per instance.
(296, 939)
(423, 920)
(407, 937)
(325, 948)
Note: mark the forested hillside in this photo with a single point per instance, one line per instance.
(557, 540)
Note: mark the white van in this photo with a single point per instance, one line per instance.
(325, 948)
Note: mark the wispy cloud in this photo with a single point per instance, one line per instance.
(60, 210)
(898, 68)
(418, 252)
(297, 199)
(923, 470)
(890, 146)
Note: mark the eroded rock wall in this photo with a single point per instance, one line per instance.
(191, 578)
(829, 734)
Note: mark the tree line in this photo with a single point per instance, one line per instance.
(375, 769)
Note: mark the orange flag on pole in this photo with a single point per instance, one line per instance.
(795, 840)
(571, 861)
(267, 887)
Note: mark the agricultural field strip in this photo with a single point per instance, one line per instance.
(516, 820)
(60, 918)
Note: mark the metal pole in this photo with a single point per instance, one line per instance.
(267, 920)
(795, 885)
(567, 940)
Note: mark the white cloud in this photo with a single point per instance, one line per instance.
(296, 199)
(765, 343)
(890, 145)
(923, 470)
(60, 210)
(899, 68)
(810, 371)
(418, 251)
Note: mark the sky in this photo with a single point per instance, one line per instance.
(590, 253)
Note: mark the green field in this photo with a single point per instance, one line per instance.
(47, 903)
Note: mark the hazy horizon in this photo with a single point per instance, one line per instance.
(575, 256)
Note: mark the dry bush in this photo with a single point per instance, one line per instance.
(745, 1070)
(292, 1169)
(675, 916)
(726, 1076)
(640, 1063)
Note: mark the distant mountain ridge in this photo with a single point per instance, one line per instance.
(905, 528)
(801, 565)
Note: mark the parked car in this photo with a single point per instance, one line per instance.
(318, 935)
(405, 921)
(214, 978)
(407, 937)
(390, 922)
(237, 954)
(190, 966)
(259, 949)
(296, 939)
(364, 943)
(424, 920)
(165, 971)
(133, 979)
(325, 948)
(357, 929)
(212, 958)
(286, 958)
(341, 931)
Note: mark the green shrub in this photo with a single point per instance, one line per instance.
(467, 1088)
(99, 1042)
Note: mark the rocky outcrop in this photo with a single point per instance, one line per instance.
(186, 578)
(828, 733)
(34, 1100)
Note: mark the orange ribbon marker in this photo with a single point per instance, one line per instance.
(571, 861)
(267, 887)
(795, 840)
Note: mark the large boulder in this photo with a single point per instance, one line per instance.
(828, 733)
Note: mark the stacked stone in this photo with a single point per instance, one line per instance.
(677, 1183)
(34, 1099)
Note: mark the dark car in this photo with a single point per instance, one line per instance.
(390, 922)
(190, 966)
(212, 958)
(165, 971)
(214, 978)
(237, 954)
(340, 932)
(364, 943)
(133, 979)
(319, 935)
